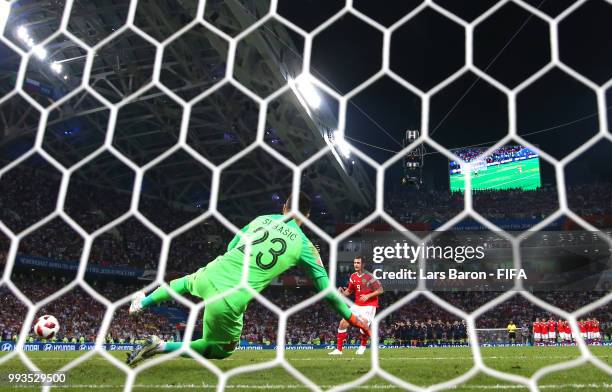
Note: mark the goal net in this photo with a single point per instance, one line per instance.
(62, 68)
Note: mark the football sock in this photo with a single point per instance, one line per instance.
(171, 346)
(342, 335)
(364, 340)
(162, 294)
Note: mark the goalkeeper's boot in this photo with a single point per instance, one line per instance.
(335, 352)
(149, 349)
(361, 350)
(136, 304)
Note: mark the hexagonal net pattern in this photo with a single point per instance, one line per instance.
(216, 170)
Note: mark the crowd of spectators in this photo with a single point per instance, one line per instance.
(12, 315)
(319, 323)
(410, 206)
(502, 153)
(198, 246)
(29, 195)
(516, 203)
(590, 199)
(55, 240)
(80, 315)
(129, 244)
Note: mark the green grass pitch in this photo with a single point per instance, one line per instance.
(504, 176)
(423, 366)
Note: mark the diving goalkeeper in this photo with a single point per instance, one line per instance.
(276, 246)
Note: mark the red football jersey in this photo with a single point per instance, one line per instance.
(551, 326)
(364, 284)
(536, 327)
(595, 326)
(544, 327)
(582, 326)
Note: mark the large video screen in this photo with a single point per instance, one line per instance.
(508, 167)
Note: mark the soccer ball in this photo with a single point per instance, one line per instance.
(46, 327)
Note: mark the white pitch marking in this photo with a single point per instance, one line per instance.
(592, 386)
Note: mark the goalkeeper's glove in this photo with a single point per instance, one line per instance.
(359, 323)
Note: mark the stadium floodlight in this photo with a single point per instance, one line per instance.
(40, 52)
(22, 33)
(56, 67)
(307, 90)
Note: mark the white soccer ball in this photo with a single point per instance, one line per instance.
(46, 327)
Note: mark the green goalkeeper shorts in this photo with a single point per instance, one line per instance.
(223, 320)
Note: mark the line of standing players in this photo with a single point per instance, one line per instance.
(430, 333)
(550, 332)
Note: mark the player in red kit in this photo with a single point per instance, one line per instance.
(367, 289)
(562, 331)
(583, 330)
(552, 334)
(596, 331)
(588, 326)
(544, 331)
(537, 332)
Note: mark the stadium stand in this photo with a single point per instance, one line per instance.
(130, 245)
(82, 317)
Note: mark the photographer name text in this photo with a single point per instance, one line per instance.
(451, 274)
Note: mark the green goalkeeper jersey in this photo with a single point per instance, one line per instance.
(276, 246)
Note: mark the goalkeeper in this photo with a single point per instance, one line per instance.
(276, 246)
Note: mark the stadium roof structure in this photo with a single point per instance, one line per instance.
(220, 125)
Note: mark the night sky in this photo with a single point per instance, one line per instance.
(556, 113)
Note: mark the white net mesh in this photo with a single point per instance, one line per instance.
(216, 170)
